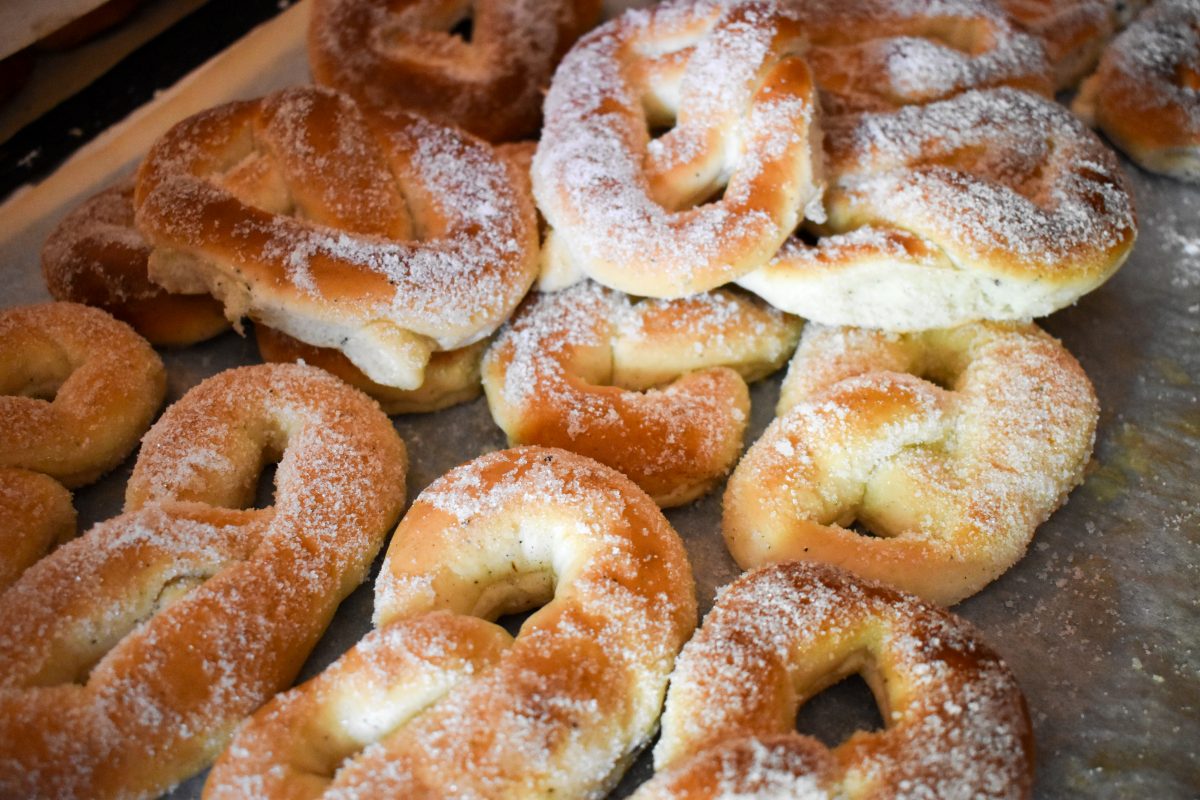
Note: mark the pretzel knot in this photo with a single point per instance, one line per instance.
(384, 237)
(991, 205)
(408, 54)
(128, 656)
(438, 703)
(567, 372)
(879, 55)
(1145, 94)
(955, 721)
(77, 391)
(953, 482)
(642, 215)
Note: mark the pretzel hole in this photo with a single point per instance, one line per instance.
(840, 711)
(465, 27)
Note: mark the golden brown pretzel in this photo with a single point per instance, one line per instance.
(955, 721)
(1074, 32)
(990, 205)
(387, 238)
(96, 256)
(451, 376)
(569, 369)
(558, 712)
(408, 54)
(642, 215)
(954, 481)
(77, 391)
(129, 655)
(1145, 95)
(876, 55)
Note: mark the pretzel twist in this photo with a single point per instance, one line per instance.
(1145, 95)
(955, 721)
(77, 391)
(436, 703)
(384, 237)
(407, 54)
(129, 655)
(990, 205)
(638, 214)
(1073, 32)
(568, 370)
(98, 257)
(953, 481)
(878, 55)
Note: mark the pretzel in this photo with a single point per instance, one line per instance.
(128, 656)
(953, 481)
(956, 723)
(421, 242)
(567, 373)
(558, 712)
(1145, 95)
(879, 55)
(991, 205)
(451, 376)
(96, 256)
(410, 54)
(642, 215)
(1073, 32)
(77, 390)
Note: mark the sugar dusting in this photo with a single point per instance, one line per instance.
(957, 727)
(253, 602)
(1048, 196)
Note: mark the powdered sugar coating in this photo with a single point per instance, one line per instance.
(955, 720)
(954, 481)
(129, 655)
(406, 55)
(561, 709)
(1007, 207)
(423, 242)
(873, 55)
(1145, 95)
(558, 375)
(730, 79)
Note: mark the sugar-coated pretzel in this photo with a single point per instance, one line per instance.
(451, 376)
(568, 370)
(77, 391)
(385, 237)
(953, 481)
(955, 720)
(640, 214)
(990, 205)
(1145, 95)
(128, 656)
(1073, 32)
(436, 703)
(96, 256)
(408, 54)
(876, 55)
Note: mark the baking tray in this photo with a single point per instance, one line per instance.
(1099, 621)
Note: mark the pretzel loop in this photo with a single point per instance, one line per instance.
(400, 238)
(77, 390)
(458, 708)
(129, 655)
(639, 214)
(953, 482)
(955, 722)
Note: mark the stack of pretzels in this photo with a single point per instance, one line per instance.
(883, 193)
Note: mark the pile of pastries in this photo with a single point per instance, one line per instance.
(881, 195)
